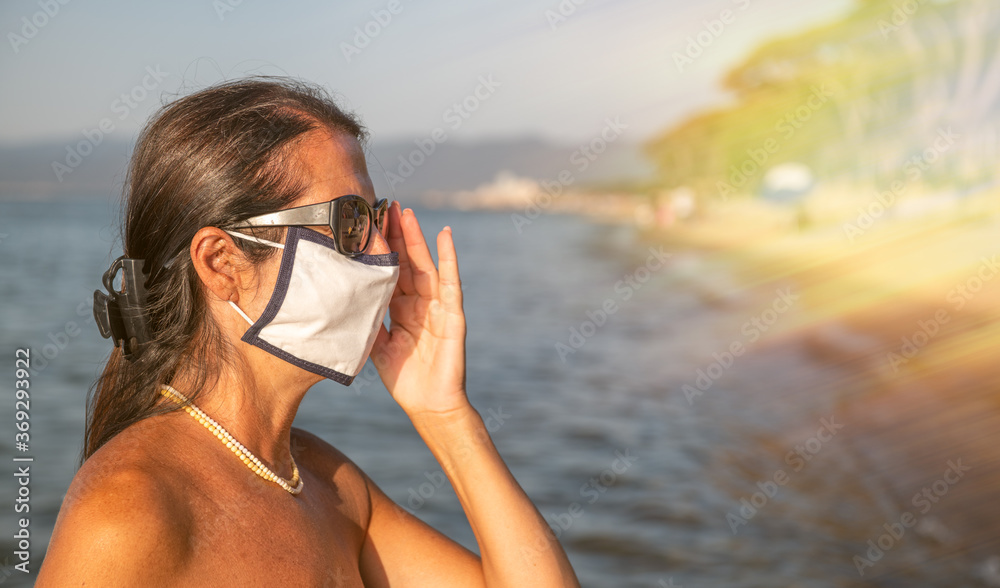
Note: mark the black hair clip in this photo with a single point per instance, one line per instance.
(121, 315)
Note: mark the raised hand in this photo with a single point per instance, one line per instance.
(421, 358)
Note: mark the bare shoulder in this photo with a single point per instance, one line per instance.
(310, 448)
(120, 523)
(336, 470)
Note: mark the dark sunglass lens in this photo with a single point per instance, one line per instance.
(354, 225)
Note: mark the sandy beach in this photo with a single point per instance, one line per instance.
(907, 314)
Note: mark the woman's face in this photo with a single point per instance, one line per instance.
(334, 166)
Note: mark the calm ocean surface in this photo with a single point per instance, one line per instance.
(637, 481)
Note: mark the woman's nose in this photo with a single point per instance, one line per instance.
(378, 244)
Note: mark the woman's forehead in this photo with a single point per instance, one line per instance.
(335, 166)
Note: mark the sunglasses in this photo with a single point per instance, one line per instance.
(349, 217)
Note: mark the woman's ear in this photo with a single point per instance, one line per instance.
(218, 260)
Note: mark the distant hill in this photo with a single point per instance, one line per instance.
(26, 172)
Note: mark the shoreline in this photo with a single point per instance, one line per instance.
(911, 309)
(908, 306)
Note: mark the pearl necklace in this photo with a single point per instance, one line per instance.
(293, 486)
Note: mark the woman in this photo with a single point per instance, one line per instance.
(262, 263)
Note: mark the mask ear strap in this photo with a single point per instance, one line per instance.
(242, 314)
(257, 240)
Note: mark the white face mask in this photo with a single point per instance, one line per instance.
(326, 308)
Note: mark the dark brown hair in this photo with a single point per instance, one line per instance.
(212, 158)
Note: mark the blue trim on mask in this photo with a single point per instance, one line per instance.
(383, 259)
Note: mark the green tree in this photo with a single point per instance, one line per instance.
(895, 74)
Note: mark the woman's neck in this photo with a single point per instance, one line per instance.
(257, 406)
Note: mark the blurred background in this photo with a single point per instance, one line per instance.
(728, 266)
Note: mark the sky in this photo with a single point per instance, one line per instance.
(556, 70)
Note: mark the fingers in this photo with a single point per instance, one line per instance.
(424, 274)
(450, 284)
(396, 243)
(381, 339)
